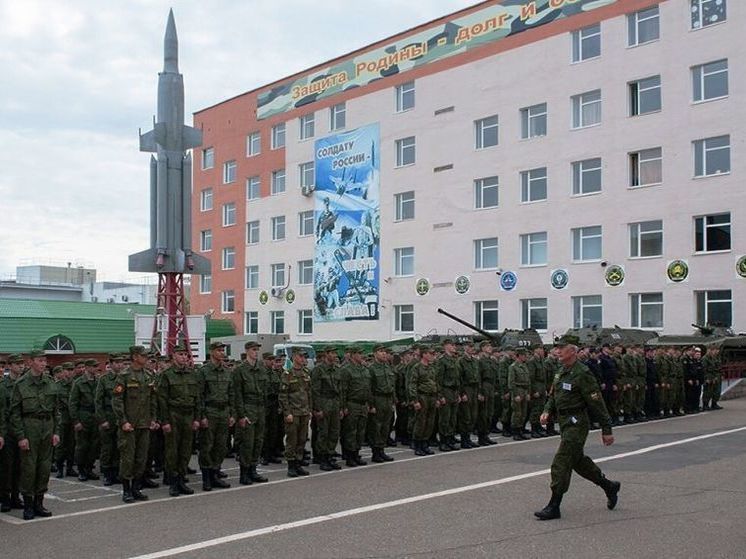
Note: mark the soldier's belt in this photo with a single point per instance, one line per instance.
(361, 402)
(570, 411)
(38, 415)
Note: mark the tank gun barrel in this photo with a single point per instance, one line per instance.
(469, 325)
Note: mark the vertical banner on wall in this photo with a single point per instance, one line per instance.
(347, 226)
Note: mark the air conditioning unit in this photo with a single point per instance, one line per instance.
(125, 298)
(307, 190)
(276, 291)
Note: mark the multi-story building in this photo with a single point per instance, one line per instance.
(542, 164)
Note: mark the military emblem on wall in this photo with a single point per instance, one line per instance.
(462, 284)
(508, 281)
(614, 275)
(559, 279)
(677, 271)
(741, 267)
(290, 296)
(422, 287)
(263, 297)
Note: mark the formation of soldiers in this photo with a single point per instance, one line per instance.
(141, 414)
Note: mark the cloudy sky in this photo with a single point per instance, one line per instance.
(79, 79)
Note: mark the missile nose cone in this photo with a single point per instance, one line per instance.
(171, 46)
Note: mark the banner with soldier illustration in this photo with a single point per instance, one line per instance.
(347, 226)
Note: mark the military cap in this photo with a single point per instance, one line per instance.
(250, 344)
(138, 350)
(521, 351)
(428, 349)
(484, 343)
(91, 363)
(216, 345)
(267, 355)
(330, 349)
(448, 341)
(355, 349)
(68, 365)
(380, 347)
(36, 353)
(114, 356)
(15, 358)
(181, 346)
(56, 369)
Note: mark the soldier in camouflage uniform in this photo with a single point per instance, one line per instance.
(356, 400)
(383, 398)
(64, 453)
(10, 455)
(504, 392)
(677, 381)
(423, 392)
(296, 406)
(327, 408)
(470, 385)
(449, 382)
(663, 366)
(106, 420)
(538, 391)
(713, 378)
(83, 418)
(488, 373)
(519, 383)
(274, 429)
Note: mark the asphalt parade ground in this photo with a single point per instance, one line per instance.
(683, 495)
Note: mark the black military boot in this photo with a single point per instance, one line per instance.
(325, 464)
(299, 469)
(243, 477)
(484, 440)
(350, 459)
(70, 470)
(451, 442)
(256, 476)
(518, 436)
(217, 481)
(136, 493)
(552, 510)
(16, 502)
(377, 458)
(5, 503)
(127, 491)
(53, 469)
(60, 469)
(108, 476)
(220, 474)
(419, 447)
(443, 445)
(148, 483)
(359, 460)
(292, 471)
(206, 479)
(535, 434)
(466, 441)
(386, 457)
(507, 431)
(91, 474)
(173, 485)
(28, 508)
(82, 474)
(39, 509)
(184, 489)
(611, 488)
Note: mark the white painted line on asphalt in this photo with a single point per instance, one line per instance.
(406, 501)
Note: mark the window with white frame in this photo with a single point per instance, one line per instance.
(305, 272)
(534, 121)
(404, 318)
(534, 313)
(278, 275)
(205, 284)
(646, 239)
(404, 205)
(229, 172)
(404, 94)
(534, 249)
(646, 310)
(278, 181)
(587, 311)
(645, 96)
(228, 301)
(307, 126)
(253, 188)
(229, 214)
(278, 228)
(710, 81)
(486, 132)
(534, 185)
(277, 320)
(715, 307)
(646, 167)
(643, 26)
(405, 151)
(307, 175)
(708, 12)
(586, 176)
(711, 156)
(229, 258)
(252, 277)
(337, 116)
(404, 261)
(486, 315)
(252, 232)
(305, 321)
(305, 223)
(712, 233)
(205, 200)
(586, 43)
(205, 240)
(486, 193)
(485, 253)
(587, 243)
(208, 158)
(251, 322)
(586, 109)
(253, 144)
(278, 136)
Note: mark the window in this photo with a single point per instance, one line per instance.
(643, 26)
(712, 233)
(534, 249)
(229, 258)
(337, 117)
(229, 214)
(251, 322)
(710, 81)
(307, 175)
(586, 176)
(404, 261)
(205, 284)
(208, 158)
(646, 167)
(587, 311)
(712, 156)
(404, 97)
(645, 96)
(646, 310)
(278, 228)
(486, 132)
(278, 181)
(205, 240)
(715, 307)
(305, 223)
(586, 43)
(646, 239)
(405, 151)
(253, 188)
(534, 121)
(229, 172)
(485, 253)
(252, 277)
(278, 136)
(278, 275)
(586, 243)
(534, 185)
(707, 12)
(253, 144)
(305, 272)
(404, 205)
(485, 315)
(404, 318)
(205, 200)
(586, 109)
(485, 193)
(307, 125)
(277, 319)
(252, 232)
(534, 313)
(228, 301)
(305, 321)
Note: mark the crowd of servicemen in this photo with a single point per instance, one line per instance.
(139, 413)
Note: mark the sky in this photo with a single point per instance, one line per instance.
(79, 79)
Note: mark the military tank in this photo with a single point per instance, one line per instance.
(505, 339)
(594, 336)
